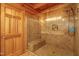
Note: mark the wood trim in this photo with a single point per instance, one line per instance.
(0, 29)
(19, 7)
(30, 10)
(53, 8)
(25, 32)
(2, 18)
(10, 36)
(17, 17)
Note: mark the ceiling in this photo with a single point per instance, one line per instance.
(39, 7)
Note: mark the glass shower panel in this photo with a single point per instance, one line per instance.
(33, 33)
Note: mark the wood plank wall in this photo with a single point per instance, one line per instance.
(12, 30)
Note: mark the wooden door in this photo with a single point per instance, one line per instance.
(12, 31)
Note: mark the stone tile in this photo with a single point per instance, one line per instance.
(49, 50)
(28, 54)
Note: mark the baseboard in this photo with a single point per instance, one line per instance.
(17, 53)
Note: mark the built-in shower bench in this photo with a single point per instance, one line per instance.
(36, 44)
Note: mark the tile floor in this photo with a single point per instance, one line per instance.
(28, 53)
(47, 51)
(53, 51)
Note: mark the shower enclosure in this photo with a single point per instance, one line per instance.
(34, 34)
(55, 32)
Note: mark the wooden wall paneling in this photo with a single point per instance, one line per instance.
(12, 22)
(18, 42)
(23, 46)
(8, 41)
(25, 32)
(2, 29)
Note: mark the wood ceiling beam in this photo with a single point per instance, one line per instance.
(29, 9)
(39, 5)
(36, 8)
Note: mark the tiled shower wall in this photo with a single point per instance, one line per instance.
(60, 37)
(33, 28)
(77, 30)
